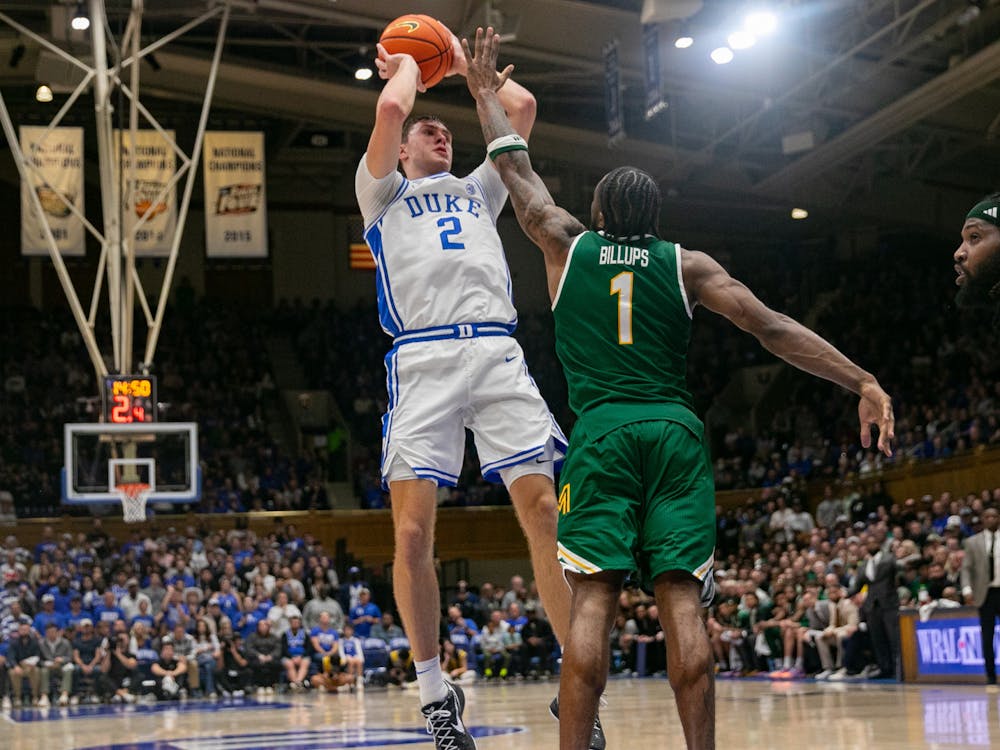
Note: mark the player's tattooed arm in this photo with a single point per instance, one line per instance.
(549, 226)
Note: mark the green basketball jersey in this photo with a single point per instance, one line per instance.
(622, 324)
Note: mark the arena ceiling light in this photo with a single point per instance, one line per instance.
(683, 42)
(741, 40)
(799, 214)
(43, 94)
(761, 22)
(80, 20)
(363, 64)
(722, 55)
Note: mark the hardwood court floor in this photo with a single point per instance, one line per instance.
(640, 714)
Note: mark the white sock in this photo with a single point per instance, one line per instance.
(787, 662)
(430, 681)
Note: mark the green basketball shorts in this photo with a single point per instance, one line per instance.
(638, 497)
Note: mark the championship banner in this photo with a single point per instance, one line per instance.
(154, 163)
(235, 201)
(654, 88)
(613, 94)
(57, 180)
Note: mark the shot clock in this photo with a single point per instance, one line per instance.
(129, 398)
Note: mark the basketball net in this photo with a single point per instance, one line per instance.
(133, 496)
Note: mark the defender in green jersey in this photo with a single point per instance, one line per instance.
(636, 492)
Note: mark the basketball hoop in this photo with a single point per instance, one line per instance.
(133, 496)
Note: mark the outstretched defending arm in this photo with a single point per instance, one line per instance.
(708, 283)
(550, 227)
(518, 102)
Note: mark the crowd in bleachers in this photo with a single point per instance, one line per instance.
(166, 615)
(223, 615)
(943, 375)
(791, 597)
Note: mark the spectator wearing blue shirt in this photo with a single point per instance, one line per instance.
(296, 656)
(120, 586)
(143, 615)
(134, 545)
(462, 631)
(515, 618)
(352, 655)
(48, 614)
(264, 603)
(229, 603)
(939, 515)
(173, 609)
(248, 626)
(108, 610)
(241, 557)
(63, 595)
(47, 546)
(466, 600)
(324, 640)
(294, 542)
(77, 613)
(183, 576)
(365, 615)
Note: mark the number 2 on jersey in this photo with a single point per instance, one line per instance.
(447, 235)
(622, 286)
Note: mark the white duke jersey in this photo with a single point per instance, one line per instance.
(439, 260)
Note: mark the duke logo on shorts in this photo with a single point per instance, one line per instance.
(444, 295)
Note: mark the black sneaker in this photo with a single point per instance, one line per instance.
(444, 721)
(597, 740)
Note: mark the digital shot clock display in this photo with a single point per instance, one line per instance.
(129, 398)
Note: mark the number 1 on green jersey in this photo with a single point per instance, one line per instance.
(622, 286)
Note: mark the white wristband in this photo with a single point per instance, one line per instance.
(510, 142)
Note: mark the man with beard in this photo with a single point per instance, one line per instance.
(977, 260)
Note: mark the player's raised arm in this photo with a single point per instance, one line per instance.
(708, 283)
(550, 227)
(515, 98)
(394, 105)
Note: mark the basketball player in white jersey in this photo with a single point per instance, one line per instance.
(444, 295)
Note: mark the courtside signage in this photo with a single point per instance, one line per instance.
(952, 647)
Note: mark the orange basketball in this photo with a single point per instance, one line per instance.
(426, 40)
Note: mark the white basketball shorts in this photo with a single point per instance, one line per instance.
(438, 388)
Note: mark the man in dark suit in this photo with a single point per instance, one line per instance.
(881, 606)
(981, 585)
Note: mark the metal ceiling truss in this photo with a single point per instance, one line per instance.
(117, 257)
